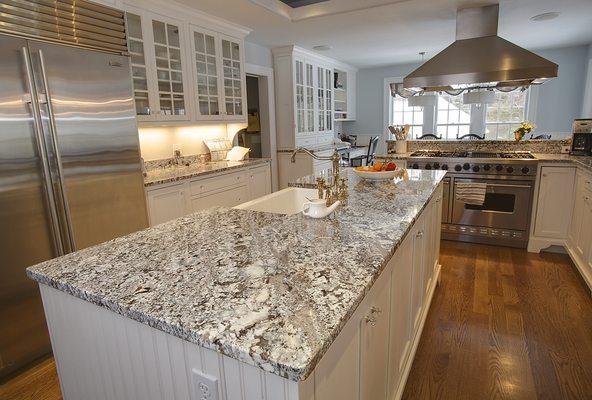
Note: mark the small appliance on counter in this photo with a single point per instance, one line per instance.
(581, 144)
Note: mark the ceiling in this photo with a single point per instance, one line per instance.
(395, 33)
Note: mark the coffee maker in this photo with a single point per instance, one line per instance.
(581, 143)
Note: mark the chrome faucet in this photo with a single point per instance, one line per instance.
(335, 191)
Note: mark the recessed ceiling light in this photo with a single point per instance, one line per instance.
(322, 47)
(545, 16)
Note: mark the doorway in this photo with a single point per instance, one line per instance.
(259, 135)
(251, 136)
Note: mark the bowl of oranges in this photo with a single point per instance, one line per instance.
(378, 171)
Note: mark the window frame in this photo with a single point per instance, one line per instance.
(478, 123)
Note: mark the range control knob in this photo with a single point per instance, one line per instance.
(436, 165)
(486, 167)
(509, 170)
(457, 167)
(415, 166)
(445, 167)
(525, 170)
(428, 166)
(498, 168)
(466, 166)
(476, 168)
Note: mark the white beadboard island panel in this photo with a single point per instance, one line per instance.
(101, 355)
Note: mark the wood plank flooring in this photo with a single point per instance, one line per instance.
(40, 382)
(504, 324)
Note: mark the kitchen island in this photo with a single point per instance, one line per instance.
(231, 303)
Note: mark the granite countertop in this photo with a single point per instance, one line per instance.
(267, 289)
(160, 175)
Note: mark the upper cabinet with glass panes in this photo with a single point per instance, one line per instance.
(305, 87)
(182, 72)
(219, 76)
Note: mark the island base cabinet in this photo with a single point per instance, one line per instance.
(102, 355)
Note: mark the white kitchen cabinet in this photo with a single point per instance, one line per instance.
(579, 239)
(229, 197)
(417, 280)
(259, 180)
(374, 341)
(226, 189)
(304, 86)
(345, 93)
(166, 203)
(401, 329)
(182, 71)
(554, 200)
(219, 75)
(159, 66)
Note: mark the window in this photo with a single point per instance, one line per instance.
(453, 116)
(505, 115)
(404, 114)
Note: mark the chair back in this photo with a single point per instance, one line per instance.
(372, 149)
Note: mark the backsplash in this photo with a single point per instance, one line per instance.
(184, 160)
(535, 146)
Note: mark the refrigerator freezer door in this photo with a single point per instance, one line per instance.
(94, 128)
(25, 225)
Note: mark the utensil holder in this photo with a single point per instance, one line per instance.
(401, 146)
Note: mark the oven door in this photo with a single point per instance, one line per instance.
(506, 206)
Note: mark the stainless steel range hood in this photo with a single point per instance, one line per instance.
(480, 59)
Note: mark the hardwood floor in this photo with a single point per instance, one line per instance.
(40, 382)
(504, 324)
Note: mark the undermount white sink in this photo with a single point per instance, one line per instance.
(287, 201)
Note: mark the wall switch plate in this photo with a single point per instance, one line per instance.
(206, 386)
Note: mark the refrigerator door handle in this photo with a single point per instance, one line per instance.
(37, 129)
(56, 150)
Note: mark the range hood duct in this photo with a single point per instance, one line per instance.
(479, 59)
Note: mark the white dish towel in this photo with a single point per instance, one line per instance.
(471, 193)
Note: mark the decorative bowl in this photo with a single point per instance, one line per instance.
(376, 176)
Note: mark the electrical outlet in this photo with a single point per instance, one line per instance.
(177, 148)
(206, 386)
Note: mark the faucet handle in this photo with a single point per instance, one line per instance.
(320, 187)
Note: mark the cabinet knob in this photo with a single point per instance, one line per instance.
(544, 175)
(370, 319)
(375, 310)
(419, 234)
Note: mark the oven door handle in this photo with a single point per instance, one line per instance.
(509, 186)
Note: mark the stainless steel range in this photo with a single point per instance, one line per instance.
(504, 216)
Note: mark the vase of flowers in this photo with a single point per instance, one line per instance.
(524, 128)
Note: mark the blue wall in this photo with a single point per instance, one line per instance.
(559, 102)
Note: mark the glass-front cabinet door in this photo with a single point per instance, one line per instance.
(300, 108)
(169, 70)
(206, 73)
(309, 89)
(233, 78)
(328, 100)
(135, 41)
(321, 100)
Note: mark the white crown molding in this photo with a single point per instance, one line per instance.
(309, 54)
(172, 9)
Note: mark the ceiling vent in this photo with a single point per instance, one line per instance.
(301, 3)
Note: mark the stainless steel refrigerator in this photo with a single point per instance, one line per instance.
(70, 173)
